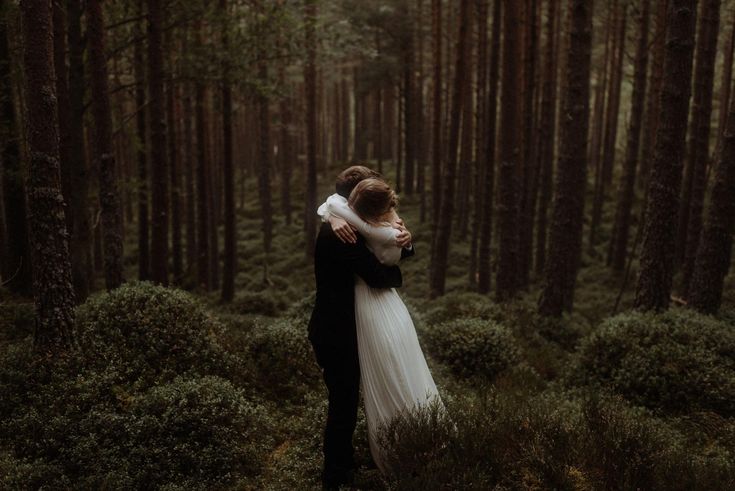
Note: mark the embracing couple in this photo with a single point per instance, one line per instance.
(360, 328)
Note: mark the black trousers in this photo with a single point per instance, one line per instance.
(341, 373)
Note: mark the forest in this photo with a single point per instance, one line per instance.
(566, 169)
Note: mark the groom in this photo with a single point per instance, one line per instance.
(340, 254)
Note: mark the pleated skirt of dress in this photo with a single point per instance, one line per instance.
(393, 370)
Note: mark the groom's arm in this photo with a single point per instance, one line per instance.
(358, 258)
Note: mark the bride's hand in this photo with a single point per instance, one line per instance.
(343, 230)
(403, 238)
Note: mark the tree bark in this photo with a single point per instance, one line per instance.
(566, 228)
(174, 161)
(653, 290)
(440, 250)
(230, 259)
(619, 241)
(52, 282)
(547, 128)
(715, 249)
(202, 208)
(436, 122)
(486, 221)
(690, 213)
(158, 157)
(144, 252)
(510, 154)
(110, 213)
(310, 87)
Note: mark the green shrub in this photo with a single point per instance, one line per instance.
(284, 357)
(673, 362)
(150, 333)
(268, 302)
(69, 424)
(473, 347)
(550, 440)
(201, 433)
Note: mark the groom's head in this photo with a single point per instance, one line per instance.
(348, 178)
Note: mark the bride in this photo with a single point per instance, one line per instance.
(393, 371)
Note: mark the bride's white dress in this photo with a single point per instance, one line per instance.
(393, 371)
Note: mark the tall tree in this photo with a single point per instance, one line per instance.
(80, 243)
(159, 161)
(440, 249)
(491, 112)
(110, 216)
(715, 249)
(436, 128)
(510, 154)
(547, 130)
(174, 160)
(230, 261)
(202, 190)
(653, 290)
(16, 252)
(53, 290)
(619, 241)
(695, 176)
(653, 100)
(144, 251)
(566, 227)
(310, 88)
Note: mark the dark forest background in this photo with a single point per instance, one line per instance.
(567, 168)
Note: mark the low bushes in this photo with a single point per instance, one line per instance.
(150, 333)
(675, 362)
(546, 441)
(473, 347)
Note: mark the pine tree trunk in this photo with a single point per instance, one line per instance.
(189, 166)
(529, 171)
(436, 122)
(486, 220)
(158, 158)
(16, 252)
(286, 148)
(440, 250)
(264, 162)
(464, 187)
(230, 258)
(715, 249)
(726, 84)
(619, 241)
(653, 290)
(174, 161)
(547, 127)
(699, 160)
(202, 208)
(481, 8)
(52, 283)
(409, 102)
(565, 242)
(80, 242)
(110, 212)
(144, 252)
(310, 87)
(510, 154)
(654, 97)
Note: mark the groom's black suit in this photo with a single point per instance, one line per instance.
(333, 336)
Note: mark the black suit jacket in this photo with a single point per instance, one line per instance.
(332, 325)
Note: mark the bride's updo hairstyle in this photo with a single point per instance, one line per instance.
(372, 198)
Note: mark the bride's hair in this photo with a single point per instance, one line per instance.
(372, 198)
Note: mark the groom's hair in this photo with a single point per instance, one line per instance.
(348, 178)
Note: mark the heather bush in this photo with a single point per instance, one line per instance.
(473, 347)
(149, 333)
(674, 362)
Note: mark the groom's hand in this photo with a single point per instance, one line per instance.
(343, 230)
(403, 238)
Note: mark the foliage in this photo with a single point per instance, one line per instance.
(674, 362)
(473, 347)
(149, 333)
(551, 440)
